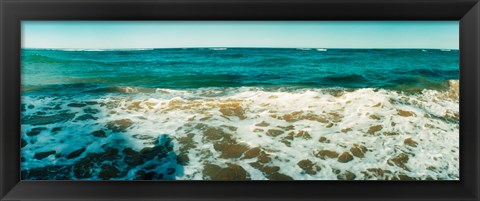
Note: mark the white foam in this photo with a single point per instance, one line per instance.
(176, 113)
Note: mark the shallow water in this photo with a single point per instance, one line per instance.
(235, 114)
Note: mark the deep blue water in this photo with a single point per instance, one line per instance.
(203, 67)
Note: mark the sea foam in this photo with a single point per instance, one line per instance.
(301, 134)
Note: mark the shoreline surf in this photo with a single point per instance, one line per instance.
(240, 114)
(306, 134)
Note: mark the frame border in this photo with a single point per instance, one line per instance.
(12, 12)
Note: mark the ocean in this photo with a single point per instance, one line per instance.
(240, 114)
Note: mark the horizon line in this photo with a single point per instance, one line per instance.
(234, 47)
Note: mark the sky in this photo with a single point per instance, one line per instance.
(293, 34)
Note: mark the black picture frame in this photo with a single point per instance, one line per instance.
(14, 11)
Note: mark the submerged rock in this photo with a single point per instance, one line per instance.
(76, 153)
(99, 133)
(231, 150)
(42, 155)
(252, 153)
(345, 157)
(23, 143)
(183, 159)
(303, 134)
(279, 177)
(410, 142)
(91, 102)
(404, 177)
(108, 172)
(347, 175)
(287, 128)
(308, 166)
(374, 129)
(85, 167)
(345, 130)
(323, 154)
(132, 158)
(323, 140)
(56, 129)
(86, 117)
(230, 173)
(399, 161)
(149, 153)
(358, 150)
(209, 171)
(264, 158)
(36, 131)
(110, 154)
(77, 105)
(140, 175)
(111, 163)
(404, 113)
(274, 132)
(186, 144)
(82, 169)
(270, 172)
(214, 133)
(60, 172)
(153, 175)
(119, 125)
(263, 124)
(374, 117)
(375, 172)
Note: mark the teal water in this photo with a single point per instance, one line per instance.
(235, 67)
(240, 114)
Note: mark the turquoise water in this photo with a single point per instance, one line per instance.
(235, 67)
(240, 114)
